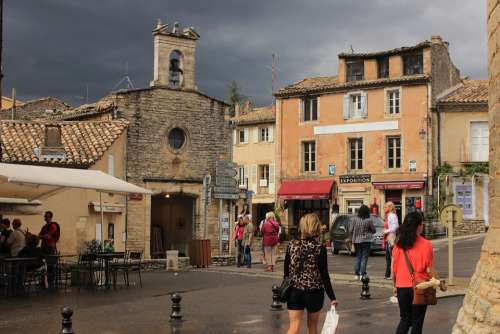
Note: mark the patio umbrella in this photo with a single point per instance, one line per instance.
(37, 182)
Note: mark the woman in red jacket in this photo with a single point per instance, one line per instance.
(270, 239)
(419, 252)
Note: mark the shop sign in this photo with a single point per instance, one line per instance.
(356, 178)
(331, 170)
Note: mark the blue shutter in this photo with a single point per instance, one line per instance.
(364, 105)
(346, 106)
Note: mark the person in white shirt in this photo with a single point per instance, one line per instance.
(17, 239)
(391, 226)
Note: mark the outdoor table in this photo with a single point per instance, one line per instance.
(55, 261)
(107, 258)
(12, 271)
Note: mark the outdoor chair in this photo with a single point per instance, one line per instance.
(119, 265)
(86, 271)
(133, 265)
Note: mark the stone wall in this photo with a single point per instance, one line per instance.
(480, 313)
(444, 73)
(468, 227)
(151, 163)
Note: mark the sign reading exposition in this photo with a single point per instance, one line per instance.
(356, 178)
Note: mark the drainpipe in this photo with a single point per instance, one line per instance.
(438, 116)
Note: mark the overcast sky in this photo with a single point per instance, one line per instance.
(57, 47)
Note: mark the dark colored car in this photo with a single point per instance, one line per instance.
(339, 234)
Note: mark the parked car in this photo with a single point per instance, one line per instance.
(339, 234)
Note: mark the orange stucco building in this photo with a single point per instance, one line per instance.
(363, 136)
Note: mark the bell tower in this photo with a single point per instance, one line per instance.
(174, 56)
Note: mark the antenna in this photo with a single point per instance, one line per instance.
(274, 69)
(85, 95)
(126, 79)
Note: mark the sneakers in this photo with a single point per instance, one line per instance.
(388, 278)
(357, 277)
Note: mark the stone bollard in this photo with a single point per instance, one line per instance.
(176, 307)
(276, 305)
(67, 325)
(365, 288)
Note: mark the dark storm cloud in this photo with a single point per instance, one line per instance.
(57, 47)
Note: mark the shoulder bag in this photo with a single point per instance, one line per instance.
(425, 296)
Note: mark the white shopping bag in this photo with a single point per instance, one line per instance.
(331, 321)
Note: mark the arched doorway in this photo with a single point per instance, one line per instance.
(172, 221)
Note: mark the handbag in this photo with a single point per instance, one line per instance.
(425, 296)
(285, 286)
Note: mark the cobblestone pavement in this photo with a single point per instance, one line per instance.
(212, 303)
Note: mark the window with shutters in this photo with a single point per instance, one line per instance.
(264, 134)
(393, 104)
(309, 109)
(479, 141)
(242, 177)
(309, 156)
(393, 152)
(243, 136)
(355, 105)
(355, 70)
(355, 153)
(263, 178)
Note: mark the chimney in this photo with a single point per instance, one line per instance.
(248, 106)
(52, 145)
(237, 108)
(436, 39)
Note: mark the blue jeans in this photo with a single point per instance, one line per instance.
(247, 257)
(362, 254)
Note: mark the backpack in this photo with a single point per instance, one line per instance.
(57, 235)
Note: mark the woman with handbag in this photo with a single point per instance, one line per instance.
(412, 264)
(306, 270)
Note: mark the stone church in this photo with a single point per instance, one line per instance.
(176, 136)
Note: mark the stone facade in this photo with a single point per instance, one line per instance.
(151, 163)
(480, 313)
(36, 109)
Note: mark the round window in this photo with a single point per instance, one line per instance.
(176, 138)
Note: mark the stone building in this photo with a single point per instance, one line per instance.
(480, 313)
(42, 108)
(461, 135)
(254, 152)
(176, 136)
(362, 136)
(95, 145)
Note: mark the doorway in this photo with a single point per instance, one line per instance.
(172, 221)
(395, 196)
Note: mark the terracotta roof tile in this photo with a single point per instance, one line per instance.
(83, 143)
(85, 111)
(257, 115)
(472, 91)
(316, 85)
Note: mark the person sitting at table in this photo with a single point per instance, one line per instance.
(5, 232)
(17, 239)
(108, 246)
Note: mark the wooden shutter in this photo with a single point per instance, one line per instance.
(479, 141)
(301, 110)
(364, 105)
(246, 135)
(345, 111)
(253, 179)
(271, 134)
(111, 165)
(255, 134)
(246, 177)
(272, 187)
(234, 137)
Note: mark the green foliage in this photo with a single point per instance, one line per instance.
(93, 246)
(477, 168)
(445, 168)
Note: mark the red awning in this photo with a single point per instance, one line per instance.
(306, 189)
(399, 185)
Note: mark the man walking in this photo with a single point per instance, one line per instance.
(50, 234)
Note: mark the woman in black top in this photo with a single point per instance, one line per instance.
(306, 266)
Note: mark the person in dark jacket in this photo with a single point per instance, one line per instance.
(306, 266)
(361, 230)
